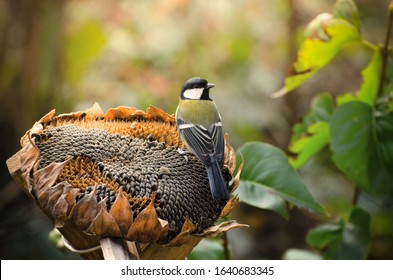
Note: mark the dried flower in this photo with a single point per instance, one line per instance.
(120, 175)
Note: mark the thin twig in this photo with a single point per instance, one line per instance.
(356, 195)
(385, 50)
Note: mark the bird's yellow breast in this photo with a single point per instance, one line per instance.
(199, 112)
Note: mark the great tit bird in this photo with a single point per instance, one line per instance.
(200, 128)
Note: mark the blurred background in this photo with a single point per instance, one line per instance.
(68, 54)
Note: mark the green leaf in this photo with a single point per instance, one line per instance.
(267, 168)
(350, 130)
(207, 249)
(347, 9)
(356, 236)
(322, 108)
(310, 136)
(323, 235)
(325, 37)
(82, 46)
(261, 196)
(345, 98)
(341, 240)
(362, 144)
(369, 88)
(307, 146)
(381, 157)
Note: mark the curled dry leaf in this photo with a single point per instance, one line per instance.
(119, 175)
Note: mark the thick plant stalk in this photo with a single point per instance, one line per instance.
(115, 249)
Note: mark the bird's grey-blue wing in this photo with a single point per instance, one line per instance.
(219, 146)
(202, 141)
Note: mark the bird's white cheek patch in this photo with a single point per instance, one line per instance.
(194, 93)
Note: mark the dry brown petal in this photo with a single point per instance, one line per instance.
(120, 112)
(48, 117)
(90, 114)
(157, 114)
(94, 112)
(213, 231)
(20, 165)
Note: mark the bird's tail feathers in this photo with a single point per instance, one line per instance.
(217, 183)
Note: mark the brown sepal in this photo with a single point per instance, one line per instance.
(104, 224)
(146, 227)
(63, 206)
(46, 177)
(228, 208)
(164, 229)
(236, 179)
(122, 212)
(187, 228)
(49, 196)
(85, 210)
(230, 155)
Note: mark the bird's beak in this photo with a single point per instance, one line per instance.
(210, 86)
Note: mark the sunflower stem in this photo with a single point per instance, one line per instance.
(227, 253)
(114, 249)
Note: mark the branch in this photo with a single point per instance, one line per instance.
(385, 50)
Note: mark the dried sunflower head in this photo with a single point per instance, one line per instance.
(119, 175)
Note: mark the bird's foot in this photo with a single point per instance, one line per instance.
(184, 153)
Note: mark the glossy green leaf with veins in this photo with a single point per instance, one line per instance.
(267, 179)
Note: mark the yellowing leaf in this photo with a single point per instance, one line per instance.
(326, 36)
(306, 147)
(369, 88)
(313, 133)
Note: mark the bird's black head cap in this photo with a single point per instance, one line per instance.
(194, 84)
